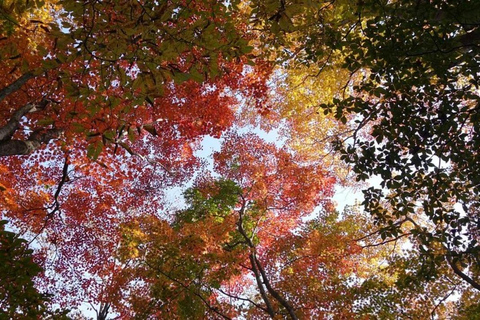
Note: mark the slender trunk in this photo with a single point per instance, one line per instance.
(103, 312)
(260, 274)
(265, 298)
(274, 293)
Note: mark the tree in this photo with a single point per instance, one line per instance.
(17, 293)
(95, 72)
(109, 102)
(415, 108)
(242, 247)
(18, 296)
(410, 97)
(411, 286)
(104, 104)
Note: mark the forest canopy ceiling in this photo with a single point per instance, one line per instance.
(104, 106)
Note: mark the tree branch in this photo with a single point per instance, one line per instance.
(260, 274)
(7, 131)
(17, 84)
(385, 241)
(274, 293)
(102, 313)
(462, 275)
(242, 299)
(56, 204)
(269, 309)
(55, 207)
(24, 147)
(263, 293)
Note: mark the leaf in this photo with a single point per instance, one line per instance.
(131, 134)
(46, 121)
(181, 77)
(109, 135)
(94, 149)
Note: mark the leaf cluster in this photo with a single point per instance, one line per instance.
(417, 102)
(19, 299)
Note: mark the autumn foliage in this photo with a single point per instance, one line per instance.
(106, 110)
(232, 251)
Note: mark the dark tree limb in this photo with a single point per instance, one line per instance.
(462, 275)
(242, 299)
(260, 274)
(274, 292)
(9, 147)
(25, 147)
(263, 293)
(14, 86)
(103, 312)
(56, 205)
(7, 131)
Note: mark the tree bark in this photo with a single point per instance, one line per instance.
(24, 147)
(269, 309)
(7, 131)
(274, 292)
(14, 86)
(462, 275)
(260, 274)
(103, 312)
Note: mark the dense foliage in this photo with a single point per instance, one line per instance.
(107, 109)
(418, 97)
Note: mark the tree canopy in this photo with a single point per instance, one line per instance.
(418, 97)
(105, 110)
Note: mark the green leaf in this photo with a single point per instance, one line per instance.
(45, 122)
(181, 77)
(94, 149)
(131, 134)
(78, 127)
(109, 134)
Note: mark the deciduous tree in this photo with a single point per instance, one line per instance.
(104, 104)
(109, 102)
(242, 247)
(418, 99)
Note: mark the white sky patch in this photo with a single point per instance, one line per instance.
(346, 197)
